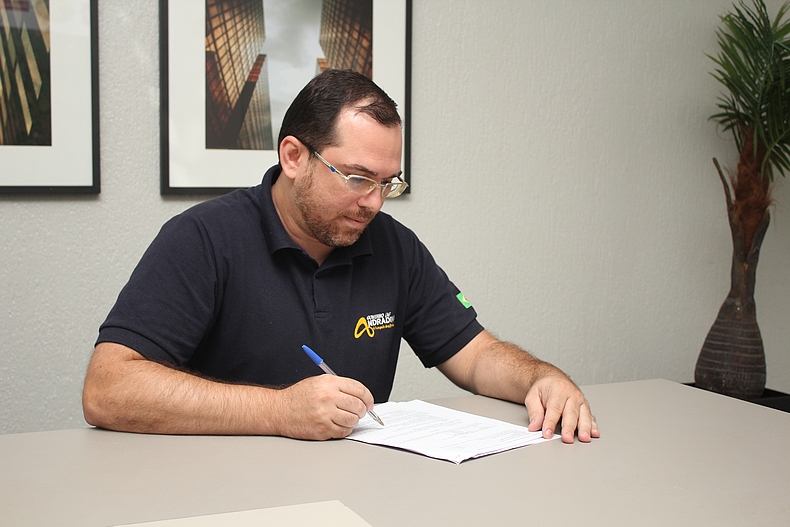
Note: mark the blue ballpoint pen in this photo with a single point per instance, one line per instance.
(324, 366)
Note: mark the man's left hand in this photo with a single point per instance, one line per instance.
(555, 397)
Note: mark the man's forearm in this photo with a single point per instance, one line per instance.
(497, 369)
(124, 391)
(507, 372)
(137, 395)
(490, 367)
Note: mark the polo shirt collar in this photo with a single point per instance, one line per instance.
(277, 237)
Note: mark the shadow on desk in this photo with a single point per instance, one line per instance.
(770, 398)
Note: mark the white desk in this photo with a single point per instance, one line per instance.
(669, 455)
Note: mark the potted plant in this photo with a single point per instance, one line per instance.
(753, 64)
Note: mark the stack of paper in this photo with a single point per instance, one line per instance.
(441, 433)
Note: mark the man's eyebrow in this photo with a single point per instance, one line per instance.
(361, 170)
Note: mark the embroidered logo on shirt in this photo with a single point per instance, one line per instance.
(461, 298)
(370, 324)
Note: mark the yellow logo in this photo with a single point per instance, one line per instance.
(372, 323)
(363, 327)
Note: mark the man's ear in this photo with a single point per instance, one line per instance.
(293, 155)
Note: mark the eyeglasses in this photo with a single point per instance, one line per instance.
(364, 185)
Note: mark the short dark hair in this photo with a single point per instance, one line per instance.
(312, 116)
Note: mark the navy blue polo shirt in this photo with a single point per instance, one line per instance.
(224, 292)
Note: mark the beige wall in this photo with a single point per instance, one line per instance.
(561, 176)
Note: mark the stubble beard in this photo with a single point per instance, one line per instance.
(332, 232)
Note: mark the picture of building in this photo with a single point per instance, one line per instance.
(251, 79)
(25, 83)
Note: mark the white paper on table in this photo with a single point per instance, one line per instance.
(324, 513)
(441, 433)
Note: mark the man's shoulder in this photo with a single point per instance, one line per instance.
(397, 238)
(237, 199)
(239, 206)
(383, 222)
(227, 221)
(235, 208)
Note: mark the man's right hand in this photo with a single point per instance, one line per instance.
(322, 407)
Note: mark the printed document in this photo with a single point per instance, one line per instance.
(441, 433)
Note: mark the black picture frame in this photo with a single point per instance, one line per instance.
(71, 162)
(187, 166)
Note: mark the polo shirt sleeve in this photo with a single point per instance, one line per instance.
(168, 304)
(439, 320)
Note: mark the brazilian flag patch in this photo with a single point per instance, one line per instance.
(461, 298)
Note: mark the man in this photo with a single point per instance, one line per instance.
(206, 336)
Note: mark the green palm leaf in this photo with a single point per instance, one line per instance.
(754, 66)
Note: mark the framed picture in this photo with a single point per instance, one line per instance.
(49, 96)
(230, 69)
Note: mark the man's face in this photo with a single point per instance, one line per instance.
(332, 214)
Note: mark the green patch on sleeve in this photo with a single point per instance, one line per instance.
(461, 298)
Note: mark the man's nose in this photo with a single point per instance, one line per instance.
(373, 200)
